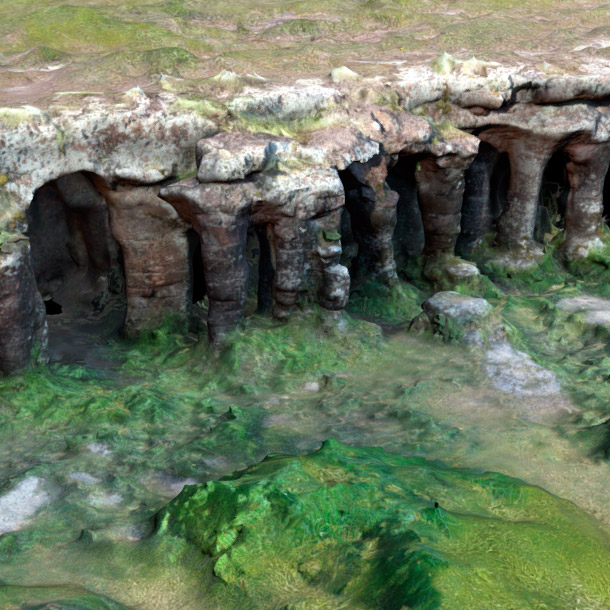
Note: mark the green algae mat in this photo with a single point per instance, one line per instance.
(360, 528)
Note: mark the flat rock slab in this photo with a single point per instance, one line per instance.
(457, 307)
(514, 372)
(595, 310)
(21, 503)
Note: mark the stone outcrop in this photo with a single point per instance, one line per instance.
(23, 330)
(155, 252)
(418, 163)
(296, 211)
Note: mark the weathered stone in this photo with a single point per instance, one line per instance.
(23, 327)
(440, 187)
(514, 372)
(587, 168)
(477, 215)
(21, 503)
(595, 310)
(457, 307)
(155, 251)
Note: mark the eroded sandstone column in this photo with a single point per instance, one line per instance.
(289, 282)
(220, 215)
(440, 188)
(528, 157)
(23, 327)
(372, 207)
(155, 251)
(587, 168)
(303, 207)
(335, 278)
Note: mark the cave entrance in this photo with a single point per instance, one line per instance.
(78, 268)
(408, 236)
(554, 192)
(486, 188)
(260, 269)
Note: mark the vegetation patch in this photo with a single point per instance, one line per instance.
(360, 528)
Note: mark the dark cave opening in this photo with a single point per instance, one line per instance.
(408, 236)
(554, 192)
(485, 191)
(260, 269)
(198, 290)
(52, 308)
(78, 266)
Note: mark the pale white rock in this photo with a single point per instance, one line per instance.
(458, 307)
(104, 500)
(342, 74)
(311, 386)
(514, 372)
(84, 477)
(21, 503)
(99, 449)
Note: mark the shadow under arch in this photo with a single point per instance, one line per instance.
(78, 268)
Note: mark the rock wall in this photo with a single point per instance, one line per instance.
(461, 141)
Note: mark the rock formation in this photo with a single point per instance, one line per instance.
(464, 146)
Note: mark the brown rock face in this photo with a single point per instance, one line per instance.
(480, 153)
(478, 214)
(296, 216)
(440, 188)
(587, 168)
(155, 251)
(23, 328)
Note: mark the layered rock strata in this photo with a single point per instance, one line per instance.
(465, 133)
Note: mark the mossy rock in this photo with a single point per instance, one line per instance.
(360, 528)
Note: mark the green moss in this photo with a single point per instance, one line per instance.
(361, 528)
(38, 598)
(167, 61)
(69, 28)
(299, 128)
(398, 304)
(300, 27)
(209, 109)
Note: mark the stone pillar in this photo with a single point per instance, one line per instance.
(23, 325)
(477, 215)
(372, 207)
(587, 169)
(155, 251)
(289, 282)
(335, 278)
(220, 213)
(440, 188)
(528, 158)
